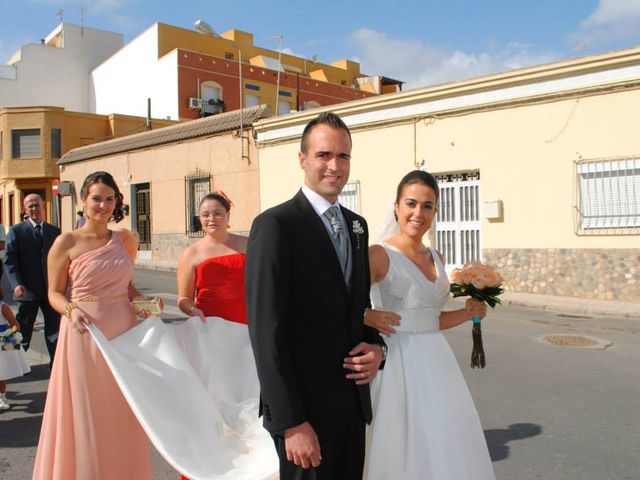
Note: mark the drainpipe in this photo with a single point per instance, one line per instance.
(149, 113)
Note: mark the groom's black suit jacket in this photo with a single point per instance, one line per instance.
(304, 320)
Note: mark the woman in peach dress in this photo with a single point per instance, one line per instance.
(88, 430)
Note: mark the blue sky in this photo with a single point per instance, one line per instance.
(422, 42)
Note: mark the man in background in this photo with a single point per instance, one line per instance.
(25, 263)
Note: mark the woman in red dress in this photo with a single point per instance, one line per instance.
(211, 271)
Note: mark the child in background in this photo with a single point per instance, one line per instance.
(13, 362)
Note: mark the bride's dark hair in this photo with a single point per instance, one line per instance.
(418, 176)
(106, 179)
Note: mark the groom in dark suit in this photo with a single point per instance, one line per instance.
(25, 263)
(307, 290)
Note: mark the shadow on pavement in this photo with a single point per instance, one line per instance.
(497, 439)
(38, 372)
(20, 426)
(20, 432)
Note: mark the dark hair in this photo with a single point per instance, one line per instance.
(418, 176)
(327, 118)
(106, 179)
(219, 197)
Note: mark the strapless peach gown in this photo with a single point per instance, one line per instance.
(88, 430)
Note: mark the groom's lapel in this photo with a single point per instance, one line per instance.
(320, 237)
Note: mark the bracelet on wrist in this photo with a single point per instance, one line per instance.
(69, 307)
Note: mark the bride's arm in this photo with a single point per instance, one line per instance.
(472, 308)
(378, 263)
(379, 319)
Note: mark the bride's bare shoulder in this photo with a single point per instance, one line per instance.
(378, 262)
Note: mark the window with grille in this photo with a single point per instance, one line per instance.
(350, 196)
(197, 186)
(25, 143)
(608, 195)
(457, 227)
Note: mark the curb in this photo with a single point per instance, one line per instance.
(574, 305)
(163, 266)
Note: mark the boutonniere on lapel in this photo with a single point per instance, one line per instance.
(358, 230)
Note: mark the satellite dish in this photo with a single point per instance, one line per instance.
(314, 58)
(204, 28)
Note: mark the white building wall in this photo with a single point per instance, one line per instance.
(126, 80)
(44, 75)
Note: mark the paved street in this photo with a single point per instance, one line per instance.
(549, 412)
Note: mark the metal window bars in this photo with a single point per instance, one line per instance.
(197, 186)
(607, 200)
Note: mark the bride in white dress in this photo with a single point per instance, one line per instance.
(425, 424)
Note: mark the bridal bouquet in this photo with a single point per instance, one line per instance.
(10, 340)
(481, 282)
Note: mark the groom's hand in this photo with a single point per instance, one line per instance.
(364, 361)
(302, 446)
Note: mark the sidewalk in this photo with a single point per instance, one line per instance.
(570, 305)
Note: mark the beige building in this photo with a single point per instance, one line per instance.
(539, 170)
(163, 174)
(32, 140)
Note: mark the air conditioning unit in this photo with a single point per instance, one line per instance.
(195, 103)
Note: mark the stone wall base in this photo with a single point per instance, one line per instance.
(167, 247)
(583, 273)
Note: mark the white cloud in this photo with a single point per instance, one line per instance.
(611, 21)
(613, 12)
(419, 64)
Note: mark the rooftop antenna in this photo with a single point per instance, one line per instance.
(60, 15)
(203, 27)
(82, 21)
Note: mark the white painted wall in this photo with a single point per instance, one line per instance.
(42, 75)
(124, 82)
(525, 153)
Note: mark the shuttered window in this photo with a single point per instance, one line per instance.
(26, 143)
(609, 194)
(56, 143)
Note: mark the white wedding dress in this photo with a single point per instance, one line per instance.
(425, 425)
(194, 389)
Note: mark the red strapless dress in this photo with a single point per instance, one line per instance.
(220, 287)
